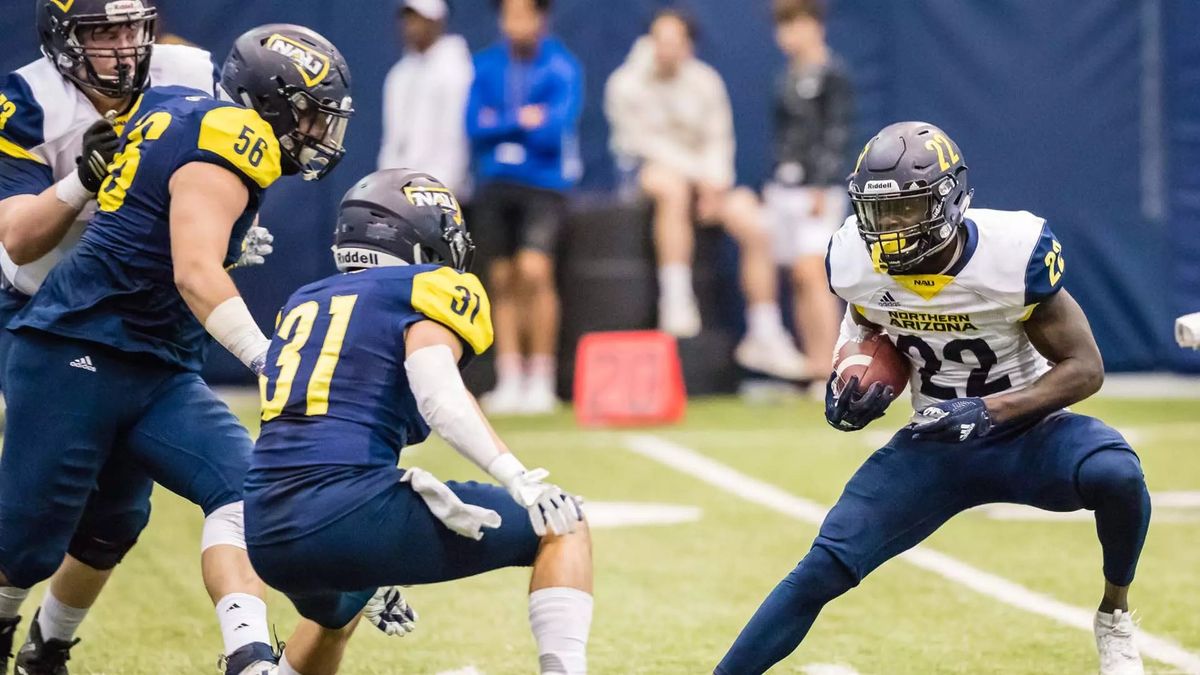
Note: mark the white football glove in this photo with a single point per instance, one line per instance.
(256, 246)
(548, 505)
(389, 612)
(465, 519)
(1187, 331)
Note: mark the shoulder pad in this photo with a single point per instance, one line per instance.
(848, 267)
(456, 300)
(1010, 263)
(246, 142)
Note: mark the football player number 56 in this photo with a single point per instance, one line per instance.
(296, 328)
(250, 146)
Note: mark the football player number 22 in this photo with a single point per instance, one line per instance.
(297, 328)
(955, 350)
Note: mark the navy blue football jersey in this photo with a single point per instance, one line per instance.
(335, 391)
(117, 286)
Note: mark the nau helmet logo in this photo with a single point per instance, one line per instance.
(313, 65)
(64, 5)
(434, 196)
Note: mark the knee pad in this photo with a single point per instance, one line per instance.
(99, 554)
(1110, 474)
(224, 527)
(822, 576)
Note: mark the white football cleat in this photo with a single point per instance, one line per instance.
(773, 354)
(679, 316)
(1114, 641)
(508, 398)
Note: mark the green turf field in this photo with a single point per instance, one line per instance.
(670, 599)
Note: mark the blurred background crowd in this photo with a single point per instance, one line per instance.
(635, 164)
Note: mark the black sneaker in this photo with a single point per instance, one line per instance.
(43, 657)
(8, 630)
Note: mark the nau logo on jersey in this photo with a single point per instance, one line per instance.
(941, 323)
(7, 110)
(313, 65)
(431, 196)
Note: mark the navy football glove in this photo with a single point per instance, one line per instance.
(954, 421)
(855, 409)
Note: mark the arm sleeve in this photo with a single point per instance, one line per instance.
(718, 152)
(1044, 271)
(486, 123)
(830, 156)
(562, 112)
(457, 301)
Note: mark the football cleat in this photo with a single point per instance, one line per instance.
(256, 658)
(1115, 643)
(43, 657)
(8, 630)
(773, 354)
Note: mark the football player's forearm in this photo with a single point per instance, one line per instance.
(203, 286)
(1068, 382)
(32, 225)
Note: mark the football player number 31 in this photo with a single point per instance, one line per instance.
(297, 328)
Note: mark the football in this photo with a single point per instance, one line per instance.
(872, 359)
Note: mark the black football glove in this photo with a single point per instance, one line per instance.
(953, 421)
(100, 143)
(855, 409)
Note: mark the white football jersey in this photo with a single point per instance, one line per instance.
(43, 117)
(962, 331)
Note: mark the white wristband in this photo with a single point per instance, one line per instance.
(506, 468)
(231, 325)
(71, 192)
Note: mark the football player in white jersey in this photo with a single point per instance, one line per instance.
(974, 299)
(59, 120)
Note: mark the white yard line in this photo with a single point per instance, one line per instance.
(827, 669)
(707, 470)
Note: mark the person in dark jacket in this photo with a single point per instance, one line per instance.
(522, 122)
(806, 199)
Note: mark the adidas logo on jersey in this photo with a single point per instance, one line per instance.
(886, 300)
(84, 362)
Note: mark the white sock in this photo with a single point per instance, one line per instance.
(11, 598)
(541, 371)
(510, 370)
(675, 282)
(57, 620)
(243, 619)
(560, 619)
(764, 318)
(286, 668)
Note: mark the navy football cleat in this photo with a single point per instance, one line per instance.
(43, 657)
(256, 658)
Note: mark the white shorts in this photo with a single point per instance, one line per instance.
(795, 231)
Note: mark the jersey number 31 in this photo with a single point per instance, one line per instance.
(296, 328)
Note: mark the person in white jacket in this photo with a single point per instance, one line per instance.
(425, 97)
(671, 123)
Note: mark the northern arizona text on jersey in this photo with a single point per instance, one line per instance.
(116, 287)
(335, 391)
(42, 119)
(962, 331)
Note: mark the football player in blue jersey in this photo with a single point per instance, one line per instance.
(974, 299)
(362, 364)
(104, 359)
(56, 141)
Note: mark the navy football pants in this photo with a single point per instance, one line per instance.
(908, 489)
(65, 424)
(394, 539)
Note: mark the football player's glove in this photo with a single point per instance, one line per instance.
(549, 507)
(464, 519)
(953, 421)
(256, 246)
(1187, 331)
(100, 144)
(388, 611)
(855, 409)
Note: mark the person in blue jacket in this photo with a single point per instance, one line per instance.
(523, 122)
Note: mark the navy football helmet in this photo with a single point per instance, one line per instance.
(910, 190)
(401, 217)
(299, 83)
(61, 30)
